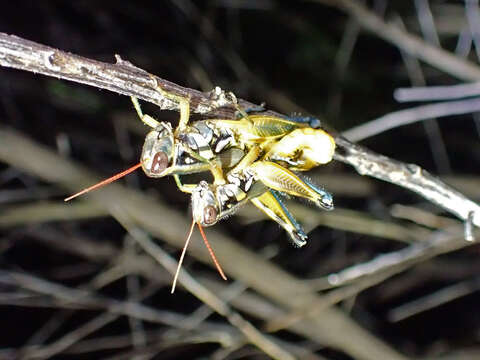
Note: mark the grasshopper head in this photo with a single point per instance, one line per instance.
(205, 206)
(158, 149)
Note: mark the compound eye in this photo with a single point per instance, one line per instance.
(159, 163)
(209, 215)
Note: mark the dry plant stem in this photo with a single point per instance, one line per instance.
(201, 292)
(358, 222)
(427, 24)
(41, 212)
(435, 93)
(60, 292)
(434, 299)
(411, 44)
(422, 217)
(87, 300)
(409, 176)
(366, 275)
(60, 345)
(223, 335)
(333, 329)
(412, 115)
(441, 242)
(86, 248)
(345, 220)
(122, 77)
(133, 288)
(140, 264)
(73, 343)
(417, 78)
(258, 307)
(473, 19)
(66, 341)
(39, 352)
(53, 324)
(332, 298)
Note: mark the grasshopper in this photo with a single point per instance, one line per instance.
(261, 184)
(271, 148)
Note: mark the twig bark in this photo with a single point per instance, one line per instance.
(409, 176)
(121, 77)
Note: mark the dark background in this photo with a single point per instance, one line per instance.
(286, 53)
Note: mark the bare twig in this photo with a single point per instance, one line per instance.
(438, 244)
(121, 77)
(473, 18)
(410, 176)
(86, 299)
(48, 211)
(348, 220)
(329, 299)
(410, 116)
(202, 293)
(432, 93)
(66, 341)
(427, 24)
(434, 299)
(224, 335)
(415, 73)
(422, 217)
(362, 276)
(413, 45)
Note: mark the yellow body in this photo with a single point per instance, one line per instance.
(306, 147)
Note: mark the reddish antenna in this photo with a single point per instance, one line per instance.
(105, 182)
(204, 237)
(207, 244)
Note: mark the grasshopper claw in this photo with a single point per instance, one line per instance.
(298, 237)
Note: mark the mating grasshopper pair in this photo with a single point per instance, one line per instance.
(258, 152)
(251, 159)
